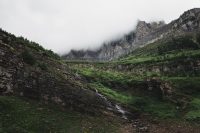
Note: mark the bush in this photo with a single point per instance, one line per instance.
(50, 53)
(140, 103)
(28, 58)
(43, 66)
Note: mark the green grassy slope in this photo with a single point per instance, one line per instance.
(26, 116)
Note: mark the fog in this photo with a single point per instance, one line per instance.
(62, 25)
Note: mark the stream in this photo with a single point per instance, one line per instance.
(114, 107)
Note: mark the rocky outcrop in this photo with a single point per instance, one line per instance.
(117, 48)
(159, 88)
(189, 21)
(107, 51)
(144, 29)
(144, 34)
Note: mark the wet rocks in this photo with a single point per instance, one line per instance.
(140, 126)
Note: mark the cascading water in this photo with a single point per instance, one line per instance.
(123, 112)
(111, 107)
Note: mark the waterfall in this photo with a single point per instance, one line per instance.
(116, 107)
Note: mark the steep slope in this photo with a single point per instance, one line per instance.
(144, 33)
(27, 70)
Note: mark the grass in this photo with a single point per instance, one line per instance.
(161, 110)
(194, 113)
(167, 45)
(107, 76)
(186, 85)
(30, 45)
(24, 116)
(164, 50)
(111, 84)
(145, 104)
(108, 83)
(114, 95)
(132, 59)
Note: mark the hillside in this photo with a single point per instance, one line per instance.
(167, 70)
(155, 87)
(37, 87)
(160, 80)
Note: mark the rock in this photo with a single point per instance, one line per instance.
(159, 88)
(143, 129)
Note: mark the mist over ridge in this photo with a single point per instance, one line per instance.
(62, 25)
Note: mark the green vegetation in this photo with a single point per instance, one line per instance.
(43, 66)
(116, 86)
(186, 85)
(107, 76)
(160, 109)
(25, 116)
(194, 113)
(28, 58)
(165, 46)
(30, 45)
(114, 95)
(35, 46)
(175, 55)
(123, 81)
(164, 50)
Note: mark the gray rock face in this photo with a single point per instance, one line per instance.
(144, 34)
(189, 21)
(143, 29)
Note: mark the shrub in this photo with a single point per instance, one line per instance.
(194, 113)
(43, 66)
(28, 58)
(50, 53)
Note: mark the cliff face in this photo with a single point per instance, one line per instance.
(144, 34)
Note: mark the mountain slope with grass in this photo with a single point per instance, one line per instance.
(158, 82)
(40, 93)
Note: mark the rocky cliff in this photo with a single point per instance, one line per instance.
(144, 33)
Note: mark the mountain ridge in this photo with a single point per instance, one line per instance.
(145, 33)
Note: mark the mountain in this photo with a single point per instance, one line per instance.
(143, 34)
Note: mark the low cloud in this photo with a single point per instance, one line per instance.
(62, 25)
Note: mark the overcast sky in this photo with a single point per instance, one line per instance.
(62, 25)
